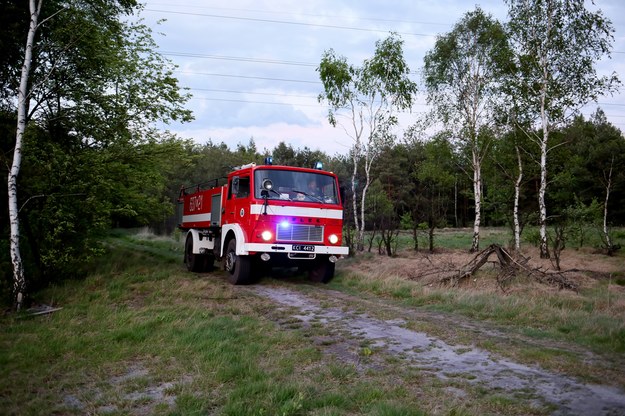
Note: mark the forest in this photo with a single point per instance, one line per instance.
(504, 145)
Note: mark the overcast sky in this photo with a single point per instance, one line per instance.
(251, 65)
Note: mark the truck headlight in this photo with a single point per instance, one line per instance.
(266, 235)
(333, 239)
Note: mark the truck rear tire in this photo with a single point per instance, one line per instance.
(322, 271)
(196, 263)
(238, 267)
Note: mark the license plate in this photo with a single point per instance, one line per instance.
(301, 247)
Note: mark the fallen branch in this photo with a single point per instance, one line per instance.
(42, 310)
(510, 267)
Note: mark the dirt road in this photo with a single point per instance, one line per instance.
(349, 323)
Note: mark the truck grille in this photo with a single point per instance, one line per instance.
(297, 232)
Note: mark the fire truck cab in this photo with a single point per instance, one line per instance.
(264, 216)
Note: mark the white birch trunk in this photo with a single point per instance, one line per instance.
(517, 195)
(19, 281)
(368, 162)
(542, 206)
(477, 193)
(360, 229)
(543, 144)
(608, 186)
(355, 197)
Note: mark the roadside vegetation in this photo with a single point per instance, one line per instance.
(141, 335)
(591, 317)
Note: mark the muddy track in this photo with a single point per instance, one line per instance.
(347, 326)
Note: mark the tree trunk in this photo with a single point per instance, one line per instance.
(431, 236)
(606, 234)
(477, 193)
(415, 236)
(517, 194)
(363, 196)
(456, 202)
(542, 207)
(371, 238)
(19, 281)
(543, 143)
(359, 235)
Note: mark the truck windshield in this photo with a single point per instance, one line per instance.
(297, 186)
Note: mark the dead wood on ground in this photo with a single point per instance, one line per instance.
(510, 266)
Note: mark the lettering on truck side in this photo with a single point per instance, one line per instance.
(195, 203)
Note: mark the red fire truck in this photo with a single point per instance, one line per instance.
(262, 216)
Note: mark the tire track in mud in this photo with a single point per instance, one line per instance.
(432, 355)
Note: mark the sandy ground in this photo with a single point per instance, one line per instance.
(438, 358)
(432, 356)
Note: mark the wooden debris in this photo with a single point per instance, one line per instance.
(510, 267)
(39, 310)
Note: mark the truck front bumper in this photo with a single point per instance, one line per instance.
(295, 248)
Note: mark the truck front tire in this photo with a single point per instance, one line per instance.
(322, 270)
(196, 263)
(238, 267)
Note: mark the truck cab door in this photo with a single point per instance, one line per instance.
(238, 201)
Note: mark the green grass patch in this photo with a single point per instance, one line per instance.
(142, 335)
(590, 318)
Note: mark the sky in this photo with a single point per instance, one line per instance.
(251, 65)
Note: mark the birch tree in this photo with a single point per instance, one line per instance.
(91, 89)
(364, 100)
(19, 282)
(607, 177)
(462, 74)
(557, 44)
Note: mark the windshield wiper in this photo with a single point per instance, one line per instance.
(275, 192)
(265, 195)
(309, 195)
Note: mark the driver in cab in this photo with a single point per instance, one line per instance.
(311, 189)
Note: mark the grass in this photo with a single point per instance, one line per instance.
(461, 238)
(141, 335)
(583, 318)
(453, 238)
(593, 319)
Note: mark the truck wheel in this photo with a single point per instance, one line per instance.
(322, 271)
(196, 263)
(238, 267)
(190, 259)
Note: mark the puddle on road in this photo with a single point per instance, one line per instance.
(433, 355)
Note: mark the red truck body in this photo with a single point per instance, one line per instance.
(264, 216)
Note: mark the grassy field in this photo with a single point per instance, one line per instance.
(143, 336)
(452, 238)
(592, 317)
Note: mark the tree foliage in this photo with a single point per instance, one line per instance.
(557, 43)
(367, 97)
(463, 73)
(92, 157)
